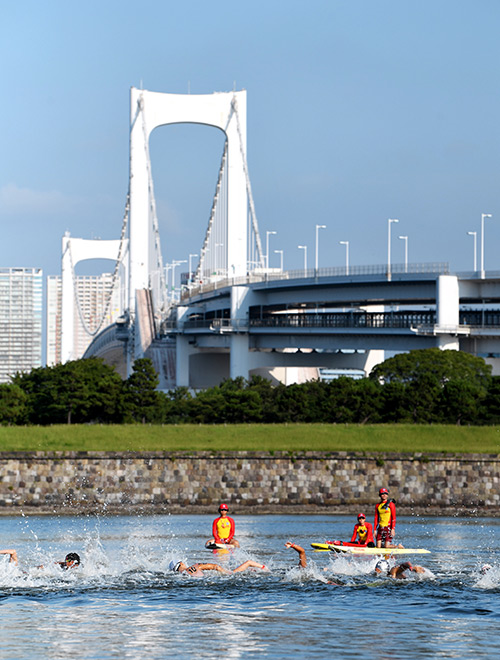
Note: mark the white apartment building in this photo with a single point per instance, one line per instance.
(20, 320)
(94, 298)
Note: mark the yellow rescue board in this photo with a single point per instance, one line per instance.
(361, 550)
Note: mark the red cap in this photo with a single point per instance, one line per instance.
(383, 490)
(223, 507)
(361, 515)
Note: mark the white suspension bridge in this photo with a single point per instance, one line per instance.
(236, 317)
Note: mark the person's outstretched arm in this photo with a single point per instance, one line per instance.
(300, 550)
(249, 563)
(13, 555)
(214, 567)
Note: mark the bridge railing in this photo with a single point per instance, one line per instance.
(397, 270)
(376, 320)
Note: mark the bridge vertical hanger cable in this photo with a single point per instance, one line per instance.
(206, 262)
(211, 263)
(253, 215)
(114, 279)
(162, 294)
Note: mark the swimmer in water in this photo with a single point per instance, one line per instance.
(197, 570)
(303, 559)
(12, 556)
(398, 572)
(72, 560)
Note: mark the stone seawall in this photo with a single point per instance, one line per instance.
(252, 481)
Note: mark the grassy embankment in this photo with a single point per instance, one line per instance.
(255, 437)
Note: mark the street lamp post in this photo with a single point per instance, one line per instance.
(190, 269)
(176, 263)
(280, 252)
(317, 252)
(389, 223)
(268, 233)
(346, 243)
(483, 216)
(167, 268)
(405, 239)
(304, 247)
(474, 234)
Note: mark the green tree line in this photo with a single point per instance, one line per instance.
(421, 387)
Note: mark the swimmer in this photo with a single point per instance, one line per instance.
(12, 556)
(300, 550)
(398, 572)
(485, 568)
(303, 559)
(72, 560)
(197, 570)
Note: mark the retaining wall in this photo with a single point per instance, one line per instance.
(245, 480)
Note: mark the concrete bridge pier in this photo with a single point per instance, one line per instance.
(239, 363)
(447, 313)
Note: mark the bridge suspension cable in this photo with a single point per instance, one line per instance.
(213, 264)
(114, 278)
(253, 215)
(158, 287)
(216, 235)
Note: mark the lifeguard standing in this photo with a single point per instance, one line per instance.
(385, 519)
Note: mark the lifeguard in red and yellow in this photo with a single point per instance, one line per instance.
(223, 528)
(385, 519)
(363, 532)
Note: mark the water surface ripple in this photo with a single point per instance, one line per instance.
(124, 603)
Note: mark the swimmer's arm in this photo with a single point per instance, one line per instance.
(13, 555)
(300, 550)
(214, 567)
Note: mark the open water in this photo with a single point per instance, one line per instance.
(124, 603)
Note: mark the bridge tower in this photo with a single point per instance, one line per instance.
(152, 109)
(75, 250)
(149, 110)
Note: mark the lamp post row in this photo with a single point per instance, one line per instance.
(390, 222)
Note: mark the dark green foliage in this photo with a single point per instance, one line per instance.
(492, 402)
(462, 402)
(141, 398)
(420, 387)
(13, 404)
(435, 365)
(76, 392)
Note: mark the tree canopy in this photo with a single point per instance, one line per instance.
(423, 387)
(435, 365)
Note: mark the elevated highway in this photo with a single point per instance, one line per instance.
(332, 320)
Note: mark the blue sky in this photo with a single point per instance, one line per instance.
(357, 111)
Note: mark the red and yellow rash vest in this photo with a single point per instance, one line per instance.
(223, 529)
(362, 534)
(385, 515)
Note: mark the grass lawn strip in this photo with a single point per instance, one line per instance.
(380, 438)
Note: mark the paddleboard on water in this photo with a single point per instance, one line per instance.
(218, 546)
(362, 550)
